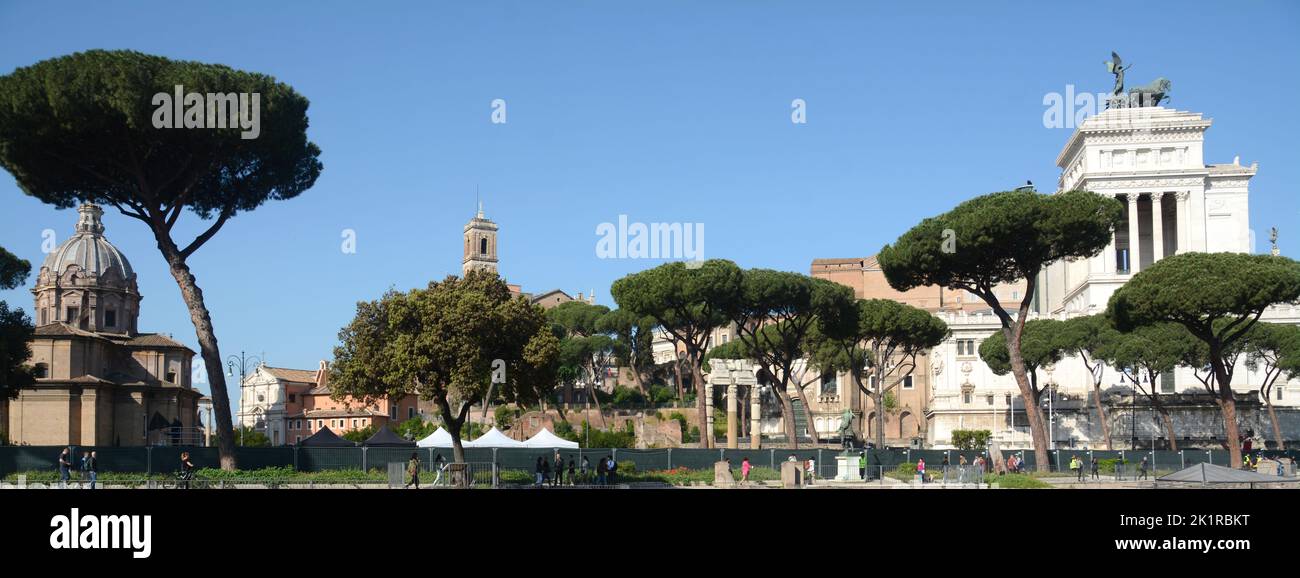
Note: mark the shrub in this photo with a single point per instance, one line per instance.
(662, 394)
(965, 439)
(627, 398)
(1016, 482)
(1108, 466)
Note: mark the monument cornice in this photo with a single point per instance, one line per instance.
(1181, 179)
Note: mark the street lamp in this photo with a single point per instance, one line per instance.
(244, 362)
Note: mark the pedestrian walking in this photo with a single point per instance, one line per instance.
(862, 465)
(571, 470)
(585, 470)
(1077, 466)
(92, 467)
(439, 464)
(537, 471)
(1142, 469)
(187, 471)
(1096, 466)
(83, 473)
(744, 469)
(920, 469)
(65, 465)
(601, 468)
(612, 471)
(559, 470)
(810, 470)
(413, 469)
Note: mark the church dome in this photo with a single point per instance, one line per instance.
(88, 249)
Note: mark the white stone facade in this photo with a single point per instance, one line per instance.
(1151, 159)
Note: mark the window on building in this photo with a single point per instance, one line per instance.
(482, 245)
(1167, 382)
(989, 398)
(110, 318)
(171, 377)
(293, 397)
(410, 413)
(966, 397)
(42, 371)
(1008, 400)
(320, 423)
(965, 347)
(907, 382)
(73, 314)
(830, 385)
(392, 411)
(1279, 389)
(354, 424)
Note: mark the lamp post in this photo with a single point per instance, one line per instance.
(244, 362)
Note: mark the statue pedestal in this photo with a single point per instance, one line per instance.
(846, 467)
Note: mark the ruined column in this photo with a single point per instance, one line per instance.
(733, 426)
(755, 418)
(707, 434)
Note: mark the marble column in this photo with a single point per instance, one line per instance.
(1157, 228)
(1134, 252)
(707, 434)
(755, 418)
(733, 414)
(1109, 260)
(1182, 222)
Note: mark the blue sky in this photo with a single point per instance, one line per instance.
(662, 111)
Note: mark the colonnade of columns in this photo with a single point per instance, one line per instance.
(1135, 243)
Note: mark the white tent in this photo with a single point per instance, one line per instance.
(546, 439)
(437, 439)
(493, 439)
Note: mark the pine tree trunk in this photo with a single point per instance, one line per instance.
(1101, 412)
(787, 418)
(706, 433)
(1227, 404)
(208, 350)
(808, 417)
(1037, 428)
(1169, 429)
(1277, 429)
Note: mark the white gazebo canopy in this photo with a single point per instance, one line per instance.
(546, 439)
(493, 439)
(438, 439)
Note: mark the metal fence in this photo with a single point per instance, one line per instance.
(166, 459)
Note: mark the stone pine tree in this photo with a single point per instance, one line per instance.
(1003, 238)
(1039, 348)
(1082, 336)
(634, 335)
(446, 344)
(1274, 351)
(684, 302)
(586, 345)
(1218, 297)
(81, 128)
(773, 312)
(15, 334)
(886, 337)
(1145, 355)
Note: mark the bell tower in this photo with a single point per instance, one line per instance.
(480, 244)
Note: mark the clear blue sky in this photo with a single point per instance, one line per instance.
(663, 111)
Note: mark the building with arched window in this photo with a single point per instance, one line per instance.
(99, 380)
